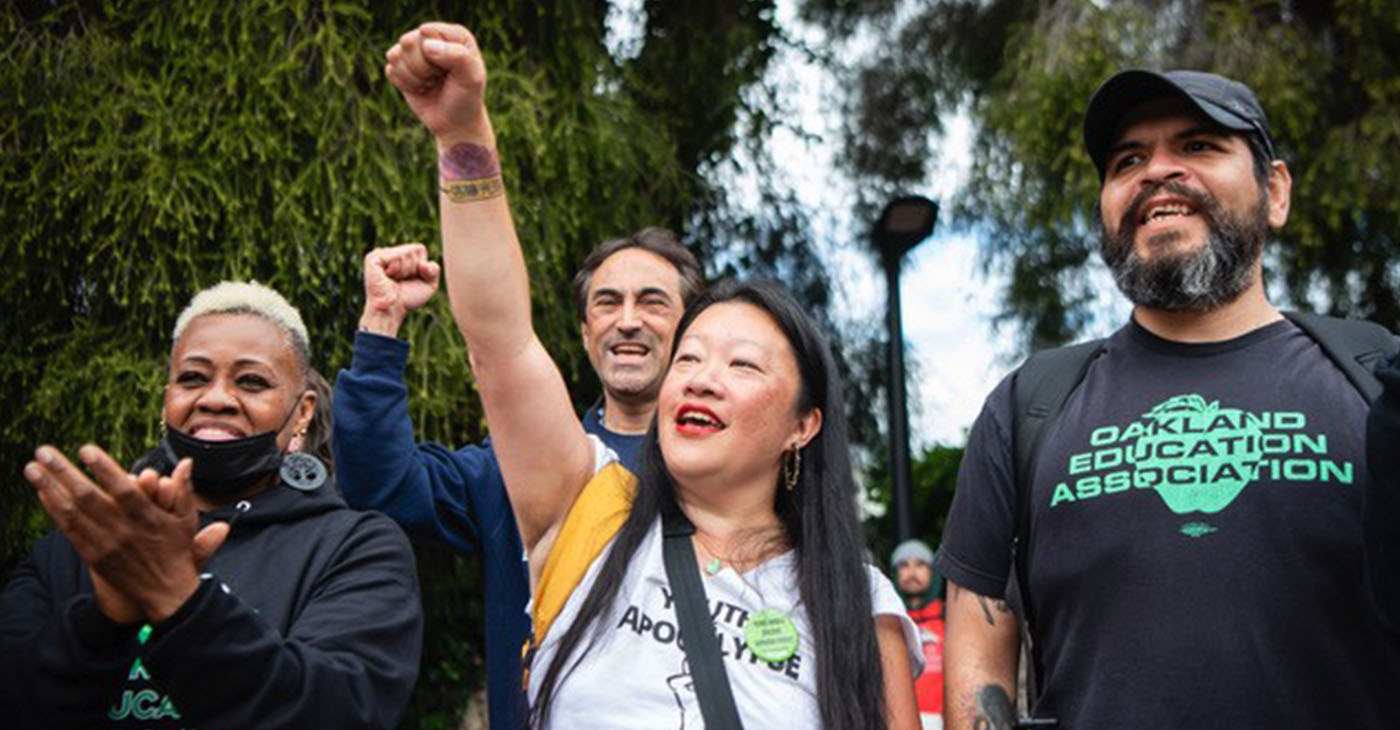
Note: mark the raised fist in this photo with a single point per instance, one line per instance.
(439, 70)
(398, 280)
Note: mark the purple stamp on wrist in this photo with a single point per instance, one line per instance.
(468, 162)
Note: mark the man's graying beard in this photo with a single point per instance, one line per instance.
(1201, 280)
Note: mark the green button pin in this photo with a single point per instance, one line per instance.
(771, 635)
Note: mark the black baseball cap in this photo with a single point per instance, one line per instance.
(1228, 103)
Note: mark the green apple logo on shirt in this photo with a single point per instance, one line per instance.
(1198, 456)
(1192, 451)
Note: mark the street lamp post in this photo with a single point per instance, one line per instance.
(903, 224)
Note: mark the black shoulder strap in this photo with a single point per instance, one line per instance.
(1355, 345)
(1359, 347)
(693, 615)
(1041, 386)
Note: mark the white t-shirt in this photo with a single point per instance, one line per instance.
(636, 675)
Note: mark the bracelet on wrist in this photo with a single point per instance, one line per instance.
(470, 172)
(463, 191)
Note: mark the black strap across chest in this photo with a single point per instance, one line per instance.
(693, 616)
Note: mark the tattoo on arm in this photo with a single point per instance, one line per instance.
(1001, 606)
(470, 172)
(993, 709)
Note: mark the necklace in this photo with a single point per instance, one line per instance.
(716, 561)
(770, 633)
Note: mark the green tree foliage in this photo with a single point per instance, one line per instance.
(726, 126)
(149, 150)
(1325, 71)
(934, 473)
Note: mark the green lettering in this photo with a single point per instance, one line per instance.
(1334, 472)
(1062, 494)
(121, 710)
(138, 671)
(1228, 471)
(1136, 429)
(1203, 447)
(1088, 488)
(1108, 458)
(1275, 443)
(1079, 463)
(1103, 436)
(1300, 470)
(1289, 420)
(1222, 421)
(1180, 474)
(1231, 445)
(145, 704)
(1117, 481)
(1140, 451)
(1303, 443)
(1171, 449)
(167, 709)
(1147, 477)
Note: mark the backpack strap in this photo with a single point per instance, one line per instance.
(593, 520)
(1354, 345)
(1358, 348)
(1040, 389)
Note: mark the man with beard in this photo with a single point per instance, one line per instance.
(1186, 518)
(629, 296)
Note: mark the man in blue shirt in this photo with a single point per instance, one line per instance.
(629, 295)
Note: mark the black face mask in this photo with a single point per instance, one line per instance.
(222, 468)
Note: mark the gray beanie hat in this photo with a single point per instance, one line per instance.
(911, 550)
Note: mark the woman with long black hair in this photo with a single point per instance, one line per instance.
(745, 465)
(787, 541)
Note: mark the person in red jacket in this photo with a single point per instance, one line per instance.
(920, 586)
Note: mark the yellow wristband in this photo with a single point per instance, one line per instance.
(464, 191)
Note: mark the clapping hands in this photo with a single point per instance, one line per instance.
(138, 534)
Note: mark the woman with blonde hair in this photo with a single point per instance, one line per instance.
(224, 584)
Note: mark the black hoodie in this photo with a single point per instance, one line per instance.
(307, 617)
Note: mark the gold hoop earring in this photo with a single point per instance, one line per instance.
(792, 467)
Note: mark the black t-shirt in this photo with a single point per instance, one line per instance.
(1195, 550)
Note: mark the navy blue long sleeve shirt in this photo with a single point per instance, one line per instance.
(454, 495)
